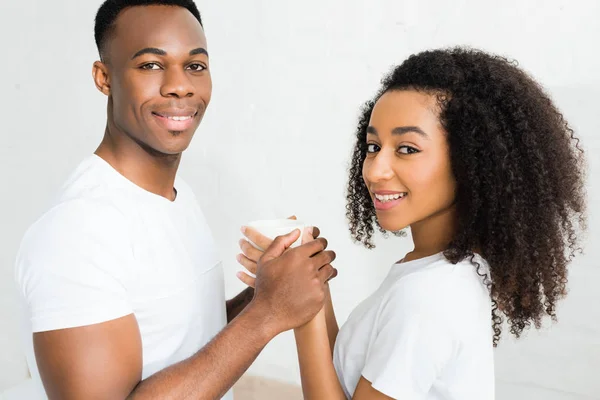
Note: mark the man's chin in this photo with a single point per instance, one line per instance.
(167, 149)
(174, 142)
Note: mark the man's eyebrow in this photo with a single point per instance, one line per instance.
(149, 50)
(160, 52)
(199, 50)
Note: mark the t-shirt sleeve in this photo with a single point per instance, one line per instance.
(410, 347)
(72, 267)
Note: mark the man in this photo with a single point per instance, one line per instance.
(120, 277)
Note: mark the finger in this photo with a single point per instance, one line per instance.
(307, 235)
(322, 259)
(316, 232)
(247, 263)
(335, 273)
(313, 247)
(256, 237)
(250, 251)
(325, 273)
(280, 245)
(247, 279)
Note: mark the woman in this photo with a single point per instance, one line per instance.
(469, 152)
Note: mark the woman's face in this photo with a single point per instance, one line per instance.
(407, 168)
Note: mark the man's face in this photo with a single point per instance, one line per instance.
(159, 84)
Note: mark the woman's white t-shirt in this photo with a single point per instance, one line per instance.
(425, 334)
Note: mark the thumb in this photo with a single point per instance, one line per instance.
(280, 245)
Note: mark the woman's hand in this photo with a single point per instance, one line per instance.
(250, 254)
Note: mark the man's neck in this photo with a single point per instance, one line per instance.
(147, 169)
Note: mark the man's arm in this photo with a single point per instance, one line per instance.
(104, 361)
(213, 370)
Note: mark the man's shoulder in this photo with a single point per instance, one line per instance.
(86, 196)
(85, 206)
(79, 212)
(90, 182)
(74, 221)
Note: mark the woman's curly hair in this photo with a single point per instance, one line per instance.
(519, 170)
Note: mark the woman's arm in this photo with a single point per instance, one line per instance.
(319, 379)
(330, 320)
(314, 341)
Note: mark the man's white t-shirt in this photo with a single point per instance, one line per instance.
(425, 334)
(107, 249)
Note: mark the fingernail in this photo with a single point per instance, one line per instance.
(243, 229)
(238, 257)
(238, 275)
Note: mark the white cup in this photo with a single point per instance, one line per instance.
(272, 228)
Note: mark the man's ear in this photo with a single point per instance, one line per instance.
(101, 78)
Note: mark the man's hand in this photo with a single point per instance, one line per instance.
(291, 284)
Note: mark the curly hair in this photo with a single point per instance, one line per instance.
(519, 169)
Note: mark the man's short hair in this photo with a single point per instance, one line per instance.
(110, 10)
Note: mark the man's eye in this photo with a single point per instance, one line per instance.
(150, 66)
(197, 67)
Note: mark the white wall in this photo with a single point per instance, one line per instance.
(289, 78)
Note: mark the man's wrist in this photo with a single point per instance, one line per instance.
(241, 298)
(262, 321)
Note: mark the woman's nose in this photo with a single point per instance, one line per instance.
(379, 167)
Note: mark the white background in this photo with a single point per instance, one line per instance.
(289, 78)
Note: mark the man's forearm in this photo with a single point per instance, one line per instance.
(211, 372)
(238, 303)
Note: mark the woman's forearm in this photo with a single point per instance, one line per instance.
(331, 321)
(319, 379)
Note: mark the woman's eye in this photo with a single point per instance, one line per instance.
(197, 67)
(407, 150)
(372, 148)
(150, 66)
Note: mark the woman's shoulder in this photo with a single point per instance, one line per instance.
(440, 285)
(438, 269)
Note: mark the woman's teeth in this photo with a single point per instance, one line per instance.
(389, 197)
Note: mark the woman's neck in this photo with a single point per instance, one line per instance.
(432, 235)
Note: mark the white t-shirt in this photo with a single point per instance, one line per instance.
(425, 334)
(107, 249)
